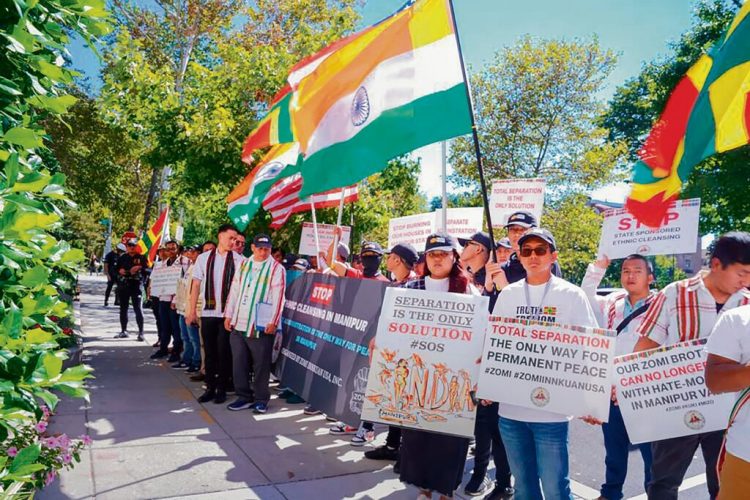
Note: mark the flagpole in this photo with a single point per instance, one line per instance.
(338, 224)
(315, 229)
(444, 165)
(475, 136)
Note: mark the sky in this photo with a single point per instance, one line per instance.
(637, 30)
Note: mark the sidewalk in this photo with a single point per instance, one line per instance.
(151, 438)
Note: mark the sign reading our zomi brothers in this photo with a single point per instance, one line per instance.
(325, 237)
(561, 369)
(512, 195)
(425, 365)
(623, 235)
(662, 393)
(164, 280)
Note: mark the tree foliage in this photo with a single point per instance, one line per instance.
(719, 180)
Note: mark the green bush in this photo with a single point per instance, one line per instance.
(35, 268)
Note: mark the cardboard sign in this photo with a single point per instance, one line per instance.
(424, 367)
(164, 280)
(414, 229)
(623, 235)
(662, 393)
(512, 195)
(325, 235)
(561, 369)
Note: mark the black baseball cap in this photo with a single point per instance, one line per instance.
(371, 247)
(522, 218)
(480, 237)
(262, 241)
(440, 241)
(503, 243)
(407, 253)
(540, 233)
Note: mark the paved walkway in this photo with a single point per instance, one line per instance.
(151, 438)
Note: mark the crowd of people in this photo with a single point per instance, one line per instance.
(223, 318)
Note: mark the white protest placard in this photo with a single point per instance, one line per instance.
(424, 366)
(164, 280)
(662, 393)
(623, 235)
(414, 229)
(511, 195)
(561, 369)
(325, 236)
(462, 222)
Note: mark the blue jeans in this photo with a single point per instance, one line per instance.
(170, 328)
(616, 445)
(537, 452)
(191, 340)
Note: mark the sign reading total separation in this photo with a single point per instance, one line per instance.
(513, 195)
(623, 235)
(561, 369)
(662, 393)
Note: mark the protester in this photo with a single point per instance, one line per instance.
(622, 312)
(536, 440)
(239, 244)
(153, 301)
(191, 354)
(686, 310)
(435, 462)
(503, 249)
(278, 254)
(728, 370)
(130, 271)
(301, 265)
(110, 271)
(212, 278)
(252, 314)
(342, 254)
(474, 258)
(170, 321)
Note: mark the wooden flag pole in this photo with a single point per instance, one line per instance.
(475, 136)
(315, 229)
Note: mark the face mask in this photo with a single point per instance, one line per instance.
(371, 263)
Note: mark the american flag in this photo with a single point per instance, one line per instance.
(283, 200)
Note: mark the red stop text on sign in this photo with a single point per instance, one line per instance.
(322, 294)
(627, 223)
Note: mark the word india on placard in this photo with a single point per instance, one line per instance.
(662, 383)
(326, 315)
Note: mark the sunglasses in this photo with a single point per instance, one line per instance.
(132, 245)
(539, 251)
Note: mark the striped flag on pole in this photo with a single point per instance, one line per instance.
(283, 199)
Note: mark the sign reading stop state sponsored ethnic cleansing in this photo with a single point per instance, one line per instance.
(327, 324)
(623, 235)
(561, 369)
(164, 280)
(662, 393)
(511, 195)
(414, 229)
(325, 236)
(424, 367)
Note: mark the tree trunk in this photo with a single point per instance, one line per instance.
(155, 177)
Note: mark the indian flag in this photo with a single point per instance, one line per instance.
(245, 200)
(386, 91)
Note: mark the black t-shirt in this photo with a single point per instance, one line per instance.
(127, 261)
(111, 260)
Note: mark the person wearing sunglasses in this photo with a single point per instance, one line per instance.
(131, 267)
(536, 441)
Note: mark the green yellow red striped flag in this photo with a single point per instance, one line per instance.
(151, 239)
(708, 112)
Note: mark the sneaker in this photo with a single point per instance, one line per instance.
(180, 365)
(286, 393)
(207, 396)
(193, 369)
(477, 485)
(122, 335)
(294, 400)
(382, 453)
(221, 397)
(260, 408)
(239, 404)
(309, 410)
(173, 358)
(362, 436)
(280, 389)
(341, 429)
(331, 419)
(501, 493)
(140, 338)
(159, 355)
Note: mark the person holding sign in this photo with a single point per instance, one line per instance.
(623, 312)
(429, 461)
(252, 314)
(687, 310)
(728, 370)
(536, 440)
